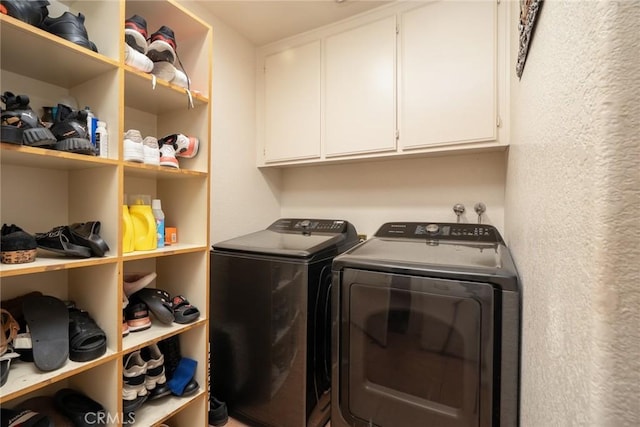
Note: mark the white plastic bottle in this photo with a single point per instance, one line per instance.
(156, 208)
(102, 139)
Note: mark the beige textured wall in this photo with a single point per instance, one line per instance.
(571, 213)
(421, 189)
(243, 199)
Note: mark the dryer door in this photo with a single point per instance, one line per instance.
(415, 351)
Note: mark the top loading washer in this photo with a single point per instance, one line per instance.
(426, 329)
(270, 321)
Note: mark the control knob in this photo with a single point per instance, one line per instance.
(432, 228)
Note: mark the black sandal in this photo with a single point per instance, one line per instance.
(61, 240)
(88, 234)
(86, 340)
(183, 311)
(158, 301)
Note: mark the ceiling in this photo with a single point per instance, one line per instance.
(266, 21)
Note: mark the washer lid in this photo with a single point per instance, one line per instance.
(460, 251)
(297, 238)
(412, 252)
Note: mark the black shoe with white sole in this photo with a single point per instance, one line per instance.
(70, 129)
(18, 118)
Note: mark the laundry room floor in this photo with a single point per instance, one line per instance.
(236, 423)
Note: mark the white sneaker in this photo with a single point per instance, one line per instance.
(168, 156)
(133, 148)
(181, 79)
(163, 70)
(137, 60)
(151, 151)
(186, 146)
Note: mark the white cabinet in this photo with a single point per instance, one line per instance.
(360, 89)
(406, 79)
(43, 188)
(447, 88)
(292, 103)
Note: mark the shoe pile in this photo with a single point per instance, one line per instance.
(21, 125)
(154, 54)
(145, 379)
(47, 332)
(163, 152)
(140, 302)
(139, 150)
(67, 26)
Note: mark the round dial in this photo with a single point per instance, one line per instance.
(432, 228)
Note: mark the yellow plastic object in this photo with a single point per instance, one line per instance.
(145, 237)
(127, 233)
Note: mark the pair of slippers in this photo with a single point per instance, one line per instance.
(166, 309)
(57, 333)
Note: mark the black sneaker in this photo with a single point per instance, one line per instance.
(170, 348)
(135, 33)
(70, 27)
(162, 46)
(217, 413)
(32, 12)
(16, 245)
(19, 115)
(60, 240)
(134, 392)
(155, 378)
(70, 129)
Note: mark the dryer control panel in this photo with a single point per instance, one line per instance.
(441, 231)
(301, 225)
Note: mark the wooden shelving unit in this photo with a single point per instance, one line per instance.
(43, 188)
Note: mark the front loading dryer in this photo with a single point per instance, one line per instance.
(426, 329)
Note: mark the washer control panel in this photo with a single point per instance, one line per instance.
(308, 225)
(441, 231)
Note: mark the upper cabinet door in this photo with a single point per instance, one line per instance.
(360, 89)
(292, 103)
(448, 73)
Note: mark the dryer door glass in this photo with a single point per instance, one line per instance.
(418, 350)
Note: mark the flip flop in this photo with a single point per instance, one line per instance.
(183, 311)
(48, 321)
(158, 301)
